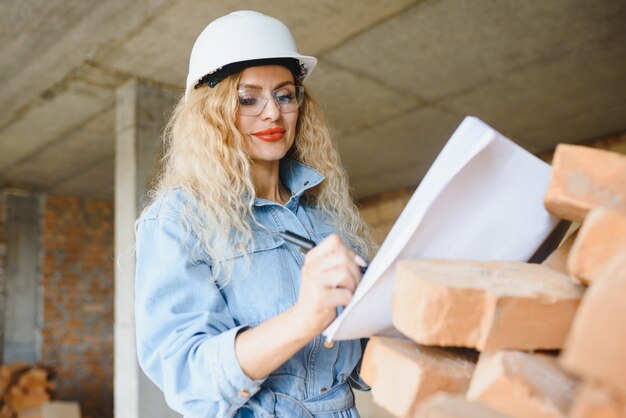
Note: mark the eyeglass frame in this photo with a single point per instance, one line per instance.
(299, 98)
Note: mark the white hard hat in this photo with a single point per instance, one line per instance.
(240, 37)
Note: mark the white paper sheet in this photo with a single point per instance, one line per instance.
(482, 199)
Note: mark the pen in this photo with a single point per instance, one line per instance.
(306, 244)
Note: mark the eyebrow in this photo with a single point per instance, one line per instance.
(256, 87)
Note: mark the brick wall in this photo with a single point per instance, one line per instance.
(381, 211)
(3, 251)
(78, 294)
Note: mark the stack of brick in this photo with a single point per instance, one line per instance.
(589, 186)
(573, 305)
(26, 392)
(24, 388)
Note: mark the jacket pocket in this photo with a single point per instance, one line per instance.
(259, 284)
(262, 242)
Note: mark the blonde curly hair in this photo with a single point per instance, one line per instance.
(205, 157)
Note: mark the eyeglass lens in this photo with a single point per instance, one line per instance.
(287, 98)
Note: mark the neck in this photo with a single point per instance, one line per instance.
(266, 179)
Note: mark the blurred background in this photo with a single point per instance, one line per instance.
(86, 87)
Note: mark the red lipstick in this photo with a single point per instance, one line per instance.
(271, 134)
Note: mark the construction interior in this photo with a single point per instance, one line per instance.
(86, 87)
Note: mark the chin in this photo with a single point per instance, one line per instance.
(267, 155)
(267, 160)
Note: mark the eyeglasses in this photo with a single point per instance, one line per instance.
(288, 99)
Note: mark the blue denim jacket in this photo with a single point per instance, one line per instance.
(186, 324)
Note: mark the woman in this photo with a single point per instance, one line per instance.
(229, 315)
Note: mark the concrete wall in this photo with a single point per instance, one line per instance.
(78, 295)
(382, 211)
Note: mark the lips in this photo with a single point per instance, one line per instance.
(271, 134)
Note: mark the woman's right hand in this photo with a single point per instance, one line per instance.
(330, 275)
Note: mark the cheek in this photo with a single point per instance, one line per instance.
(292, 121)
(240, 121)
(244, 128)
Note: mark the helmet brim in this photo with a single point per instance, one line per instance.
(307, 65)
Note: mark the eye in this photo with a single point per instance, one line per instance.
(247, 101)
(284, 96)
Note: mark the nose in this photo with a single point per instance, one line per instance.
(271, 110)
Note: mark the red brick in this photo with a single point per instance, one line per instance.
(595, 401)
(596, 345)
(443, 405)
(402, 373)
(483, 305)
(601, 244)
(584, 178)
(522, 385)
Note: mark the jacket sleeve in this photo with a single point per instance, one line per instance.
(185, 332)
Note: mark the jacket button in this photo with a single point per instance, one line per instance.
(329, 344)
(240, 246)
(244, 393)
(322, 390)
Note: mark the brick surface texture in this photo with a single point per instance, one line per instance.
(3, 251)
(382, 211)
(78, 294)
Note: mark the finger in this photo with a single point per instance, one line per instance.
(329, 245)
(332, 261)
(348, 260)
(318, 263)
(359, 260)
(353, 270)
(339, 272)
(339, 297)
(341, 279)
(338, 256)
(360, 263)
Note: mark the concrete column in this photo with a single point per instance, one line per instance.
(22, 304)
(141, 114)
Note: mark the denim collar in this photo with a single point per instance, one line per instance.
(297, 177)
